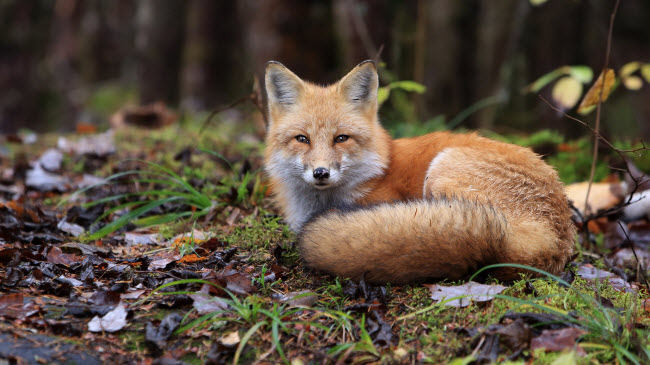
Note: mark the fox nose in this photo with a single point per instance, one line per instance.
(321, 173)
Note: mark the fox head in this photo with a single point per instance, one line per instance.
(324, 138)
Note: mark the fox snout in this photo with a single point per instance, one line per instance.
(321, 177)
(321, 173)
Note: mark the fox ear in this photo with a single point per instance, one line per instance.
(282, 86)
(360, 85)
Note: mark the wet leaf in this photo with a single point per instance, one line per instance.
(113, 321)
(559, 340)
(592, 273)
(56, 256)
(157, 336)
(51, 160)
(13, 305)
(205, 303)
(302, 298)
(471, 291)
(239, 283)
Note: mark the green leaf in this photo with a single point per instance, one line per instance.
(538, 84)
(410, 86)
(645, 72)
(382, 94)
(582, 73)
(629, 68)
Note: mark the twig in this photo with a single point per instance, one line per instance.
(640, 265)
(214, 112)
(595, 132)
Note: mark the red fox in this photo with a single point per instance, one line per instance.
(436, 206)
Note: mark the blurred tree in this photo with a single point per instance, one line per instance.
(159, 43)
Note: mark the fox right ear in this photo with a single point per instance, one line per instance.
(282, 85)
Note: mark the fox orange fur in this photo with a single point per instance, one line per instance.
(440, 205)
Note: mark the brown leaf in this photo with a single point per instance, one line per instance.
(12, 305)
(558, 340)
(239, 283)
(593, 95)
(56, 256)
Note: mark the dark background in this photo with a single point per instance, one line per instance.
(67, 61)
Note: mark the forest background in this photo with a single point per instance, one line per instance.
(70, 61)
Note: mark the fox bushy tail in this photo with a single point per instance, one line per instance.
(413, 241)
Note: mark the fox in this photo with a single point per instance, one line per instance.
(437, 206)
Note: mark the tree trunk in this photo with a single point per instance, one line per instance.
(160, 27)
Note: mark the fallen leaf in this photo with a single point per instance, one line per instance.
(135, 238)
(71, 228)
(42, 180)
(157, 336)
(51, 160)
(594, 94)
(56, 256)
(96, 144)
(558, 340)
(592, 273)
(303, 298)
(133, 294)
(601, 195)
(113, 321)
(471, 291)
(204, 303)
(230, 339)
(85, 128)
(639, 206)
(191, 258)
(13, 305)
(515, 335)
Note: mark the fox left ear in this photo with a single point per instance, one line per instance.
(360, 85)
(283, 87)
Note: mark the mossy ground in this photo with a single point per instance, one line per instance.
(320, 333)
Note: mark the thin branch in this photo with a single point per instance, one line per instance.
(600, 102)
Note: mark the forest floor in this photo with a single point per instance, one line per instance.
(214, 276)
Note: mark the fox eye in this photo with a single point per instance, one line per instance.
(341, 138)
(302, 139)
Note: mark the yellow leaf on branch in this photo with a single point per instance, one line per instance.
(599, 87)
